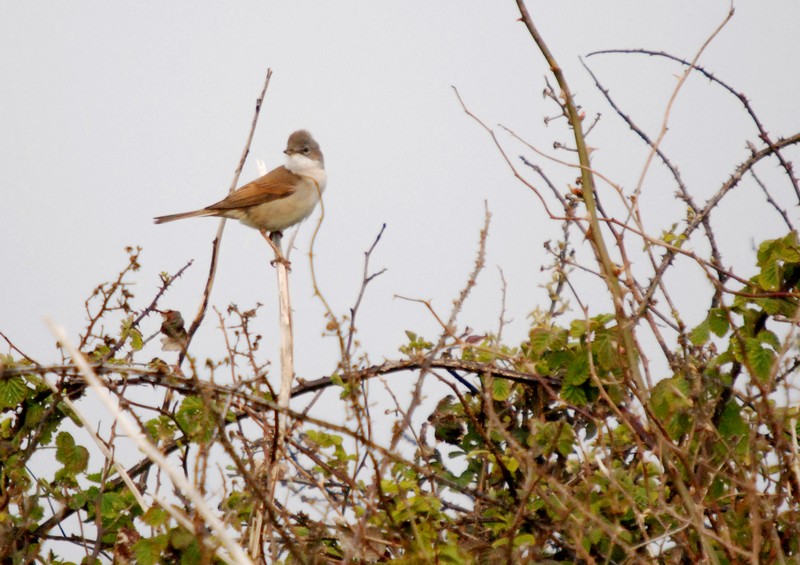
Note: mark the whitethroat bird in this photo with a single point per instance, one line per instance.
(280, 199)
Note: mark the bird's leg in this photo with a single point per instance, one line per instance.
(279, 258)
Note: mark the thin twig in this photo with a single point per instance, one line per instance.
(215, 245)
(763, 134)
(490, 131)
(17, 349)
(448, 331)
(771, 201)
(668, 111)
(366, 279)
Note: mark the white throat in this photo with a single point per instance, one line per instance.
(299, 164)
(305, 167)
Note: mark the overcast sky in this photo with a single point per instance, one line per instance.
(113, 113)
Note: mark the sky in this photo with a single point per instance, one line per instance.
(115, 113)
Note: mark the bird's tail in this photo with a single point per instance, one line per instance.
(184, 215)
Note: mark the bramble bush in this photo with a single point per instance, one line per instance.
(616, 434)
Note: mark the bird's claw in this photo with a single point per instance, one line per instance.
(283, 261)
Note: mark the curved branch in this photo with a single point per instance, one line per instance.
(762, 132)
(389, 367)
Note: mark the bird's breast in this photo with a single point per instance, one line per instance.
(278, 215)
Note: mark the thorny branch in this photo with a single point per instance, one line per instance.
(763, 134)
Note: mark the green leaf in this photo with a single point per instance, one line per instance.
(192, 554)
(721, 359)
(161, 428)
(82, 498)
(148, 551)
(500, 542)
(539, 339)
(670, 402)
(127, 331)
(416, 344)
(575, 395)
(73, 457)
(788, 249)
(768, 337)
(196, 419)
(759, 358)
(117, 505)
(449, 554)
(731, 423)
(13, 391)
(136, 340)
(775, 306)
(524, 540)
(601, 321)
(324, 439)
(577, 328)
(511, 463)
(155, 517)
(766, 250)
(607, 349)
(180, 538)
(785, 249)
(555, 436)
(701, 333)
(566, 439)
(770, 276)
(735, 349)
(542, 339)
(501, 389)
(577, 369)
(718, 321)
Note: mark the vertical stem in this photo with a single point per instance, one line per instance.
(287, 343)
(595, 236)
(259, 530)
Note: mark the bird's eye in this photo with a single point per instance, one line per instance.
(306, 150)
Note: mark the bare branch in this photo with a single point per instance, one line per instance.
(763, 135)
(215, 245)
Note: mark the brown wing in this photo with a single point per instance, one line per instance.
(276, 184)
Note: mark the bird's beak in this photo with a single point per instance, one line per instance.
(286, 151)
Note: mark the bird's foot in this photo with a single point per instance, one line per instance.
(279, 258)
(283, 261)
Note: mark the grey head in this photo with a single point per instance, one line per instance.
(302, 143)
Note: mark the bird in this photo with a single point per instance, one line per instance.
(173, 330)
(282, 198)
